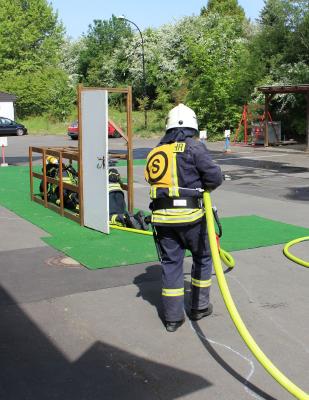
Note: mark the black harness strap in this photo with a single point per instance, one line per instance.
(178, 202)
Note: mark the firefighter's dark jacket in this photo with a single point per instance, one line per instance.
(192, 168)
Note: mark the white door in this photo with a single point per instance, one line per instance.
(94, 141)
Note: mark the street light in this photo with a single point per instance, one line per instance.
(143, 64)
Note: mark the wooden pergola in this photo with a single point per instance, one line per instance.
(271, 91)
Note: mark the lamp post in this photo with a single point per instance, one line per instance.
(143, 65)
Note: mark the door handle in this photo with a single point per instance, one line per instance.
(101, 162)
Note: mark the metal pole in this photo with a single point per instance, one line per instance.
(307, 147)
(143, 66)
(266, 121)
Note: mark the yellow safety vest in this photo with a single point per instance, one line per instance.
(161, 174)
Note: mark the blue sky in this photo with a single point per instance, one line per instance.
(76, 15)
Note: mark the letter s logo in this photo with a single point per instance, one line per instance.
(157, 166)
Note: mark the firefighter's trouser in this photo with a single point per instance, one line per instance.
(173, 242)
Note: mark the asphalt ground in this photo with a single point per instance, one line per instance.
(70, 333)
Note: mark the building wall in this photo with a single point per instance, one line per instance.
(7, 109)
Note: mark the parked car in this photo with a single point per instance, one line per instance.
(113, 131)
(9, 127)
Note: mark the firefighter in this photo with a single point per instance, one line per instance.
(118, 214)
(178, 169)
(69, 175)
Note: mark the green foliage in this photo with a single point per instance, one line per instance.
(214, 70)
(40, 92)
(30, 36)
(98, 64)
(30, 41)
(213, 62)
(282, 46)
(224, 8)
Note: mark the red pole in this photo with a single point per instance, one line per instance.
(245, 124)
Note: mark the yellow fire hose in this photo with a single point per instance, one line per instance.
(291, 256)
(123, 228)
(230, 305)
(226, 257)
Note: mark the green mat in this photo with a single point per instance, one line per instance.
(96, 250)
(123, 163)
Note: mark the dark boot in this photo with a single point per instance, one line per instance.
(131, 222)
(140, 218)
(172, 326)
(195, 315)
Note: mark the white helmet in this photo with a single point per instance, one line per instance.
(181, 116)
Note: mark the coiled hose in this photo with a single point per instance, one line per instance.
(230, 305)
(291, 256)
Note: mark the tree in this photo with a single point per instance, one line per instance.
(30, 41)
(215, 65)
(224, 8)
(30, 35)
(97, 64)
(281, 46)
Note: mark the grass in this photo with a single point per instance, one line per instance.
(44, 125)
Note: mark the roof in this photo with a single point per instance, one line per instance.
(7, 97)
(304, 88)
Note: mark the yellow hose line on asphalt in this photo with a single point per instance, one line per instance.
(230, 305)
(291, 256)
(225, 256)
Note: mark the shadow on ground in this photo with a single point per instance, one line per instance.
(153, 296)
(298, 193)
(32, 367)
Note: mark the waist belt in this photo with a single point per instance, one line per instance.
(179, 202)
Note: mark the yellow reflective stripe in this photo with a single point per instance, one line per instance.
(113, 220)
(114, 186)
(175, 177)
(153, 192)
(192, 216)
(66, 179)
(173, 292)
(176, 211)
(201, 284)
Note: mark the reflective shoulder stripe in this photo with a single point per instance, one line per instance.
(153, 192)
(175, 189)
(173, 292)
(201, 284)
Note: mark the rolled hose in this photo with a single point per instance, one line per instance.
(230, 305)
(291, 256)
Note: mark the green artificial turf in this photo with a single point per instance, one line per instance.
(96, 250)
(123, 163)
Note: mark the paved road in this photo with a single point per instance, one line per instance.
(70, 333)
